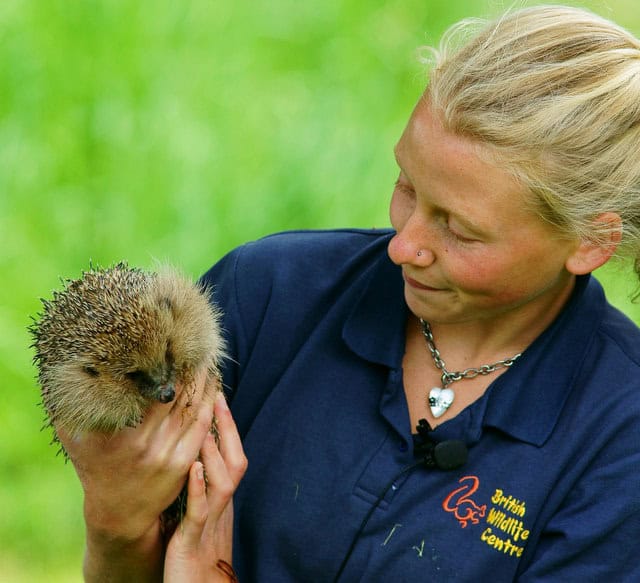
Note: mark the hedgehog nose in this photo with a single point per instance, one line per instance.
(166, 393)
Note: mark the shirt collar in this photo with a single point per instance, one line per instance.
(525, 402)
(375, 330)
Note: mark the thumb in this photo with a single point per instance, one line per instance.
(189, 533)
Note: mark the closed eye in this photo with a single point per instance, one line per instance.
(91, 371)
(140, 378)
(459, 237)
(456, 231)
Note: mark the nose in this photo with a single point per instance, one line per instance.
(166, 393)
(410, 246)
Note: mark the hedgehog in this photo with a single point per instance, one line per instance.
(118, 339)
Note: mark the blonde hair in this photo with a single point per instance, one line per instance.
(554, 93)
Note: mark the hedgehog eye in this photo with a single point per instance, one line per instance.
(139, 377)
(90, 370)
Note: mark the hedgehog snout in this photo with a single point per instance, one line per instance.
(166, 393)
(157, 384)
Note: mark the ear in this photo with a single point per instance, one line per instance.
(592, 253)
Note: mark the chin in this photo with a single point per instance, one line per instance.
(443, 311)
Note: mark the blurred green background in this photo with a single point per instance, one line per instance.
(176, 130)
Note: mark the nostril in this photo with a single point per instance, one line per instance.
(166, 394)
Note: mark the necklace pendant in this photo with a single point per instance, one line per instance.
(440, 400)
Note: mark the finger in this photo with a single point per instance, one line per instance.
(190, 393)
(195, 518)
(194, 434)
(207, 395)
(230, 443)
(179, 439)
(220, 486)
(200, 393)
(221, 538)
(189, 418)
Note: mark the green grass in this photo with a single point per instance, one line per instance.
(177, 130)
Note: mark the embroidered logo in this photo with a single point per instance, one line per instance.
(462, 505)
(504, 529)
(505, 517)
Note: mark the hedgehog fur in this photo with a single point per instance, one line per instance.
(118, 339)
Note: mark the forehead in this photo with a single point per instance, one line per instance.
(455, 169)
(425, 139)
(460, 176)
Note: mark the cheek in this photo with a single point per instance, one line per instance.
(483, 275)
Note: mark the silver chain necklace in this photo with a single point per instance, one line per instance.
(441, 398)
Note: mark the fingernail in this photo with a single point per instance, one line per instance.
(199, 471)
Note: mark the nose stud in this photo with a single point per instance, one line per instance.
(420, 253)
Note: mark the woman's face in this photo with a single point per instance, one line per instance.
(483, 254)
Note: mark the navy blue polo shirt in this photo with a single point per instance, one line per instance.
(315, 325)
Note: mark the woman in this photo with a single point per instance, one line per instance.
(452, 400)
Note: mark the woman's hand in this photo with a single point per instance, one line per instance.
(130, 477)
(200, 549)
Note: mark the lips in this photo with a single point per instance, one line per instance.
(417, 285)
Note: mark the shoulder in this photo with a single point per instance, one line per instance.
(608, 380)
(327, 245)
(586, 363)
(272, 293)
(616, 341)
(299, 256)
(621, 334)
(294, 275)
